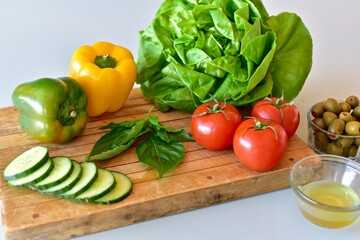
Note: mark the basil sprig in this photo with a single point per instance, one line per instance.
(160, 148)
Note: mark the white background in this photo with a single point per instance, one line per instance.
(38, 37)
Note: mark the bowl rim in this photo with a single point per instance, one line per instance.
(308, 200)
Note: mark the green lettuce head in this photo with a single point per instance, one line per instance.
(230, 49)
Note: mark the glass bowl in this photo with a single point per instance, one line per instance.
(324, 142)
(327, 188)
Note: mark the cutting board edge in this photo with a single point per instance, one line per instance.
(156, 208)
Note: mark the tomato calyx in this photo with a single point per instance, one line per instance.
(214, 108)
(261, 126)
(278, 103)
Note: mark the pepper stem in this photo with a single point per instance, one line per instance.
(105, 61)
(73, 114)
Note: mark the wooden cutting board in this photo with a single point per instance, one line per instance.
(203, 178)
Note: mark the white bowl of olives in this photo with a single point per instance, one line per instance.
(334, 127)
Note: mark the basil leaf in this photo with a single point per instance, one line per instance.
(103, 152)
(124, 125)
(167, 133)
(117, 140)
(159, 154)
(161, 149)
(180, 136)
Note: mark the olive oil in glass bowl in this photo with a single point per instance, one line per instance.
(327, 188)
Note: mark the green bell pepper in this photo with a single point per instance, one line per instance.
(51, 110)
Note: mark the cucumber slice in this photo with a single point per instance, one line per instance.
(33, 177)
(88, 176)
(104, 183)
(62, 170)
(68, 183)
(120, 192)
(27, 162)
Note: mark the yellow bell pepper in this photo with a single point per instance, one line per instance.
(107, 74)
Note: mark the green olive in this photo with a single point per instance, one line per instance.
(346, 116)
(333, 148)
(353, 151)
(357, 141)
(317, 110)
(356, 112)
(345, 107)
(353, 101)
(336, 127)
(332, 105)
(350, 151)
(328, 117)
(321, 141)
(346, 152)
(353, 118)
(319, 122)
(352, 128)
(344, 142)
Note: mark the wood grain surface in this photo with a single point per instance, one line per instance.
(203, 178)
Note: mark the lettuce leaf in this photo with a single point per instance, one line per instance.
(293, 57)
(231, 49)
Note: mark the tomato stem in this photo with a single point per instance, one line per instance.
(262, 126)
(278, 103)
(214, 108)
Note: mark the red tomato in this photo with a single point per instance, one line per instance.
(213, 125)
(259, 146)
(280, 111)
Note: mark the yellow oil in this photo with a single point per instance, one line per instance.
(333, 194)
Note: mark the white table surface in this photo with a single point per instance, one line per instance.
(38, 38)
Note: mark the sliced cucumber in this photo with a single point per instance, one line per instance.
(62, 170)
(104, 183)
(61, 176)
(68, 183)
(120, 192)
(33, 177)
(87, 178)
(27, 162)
